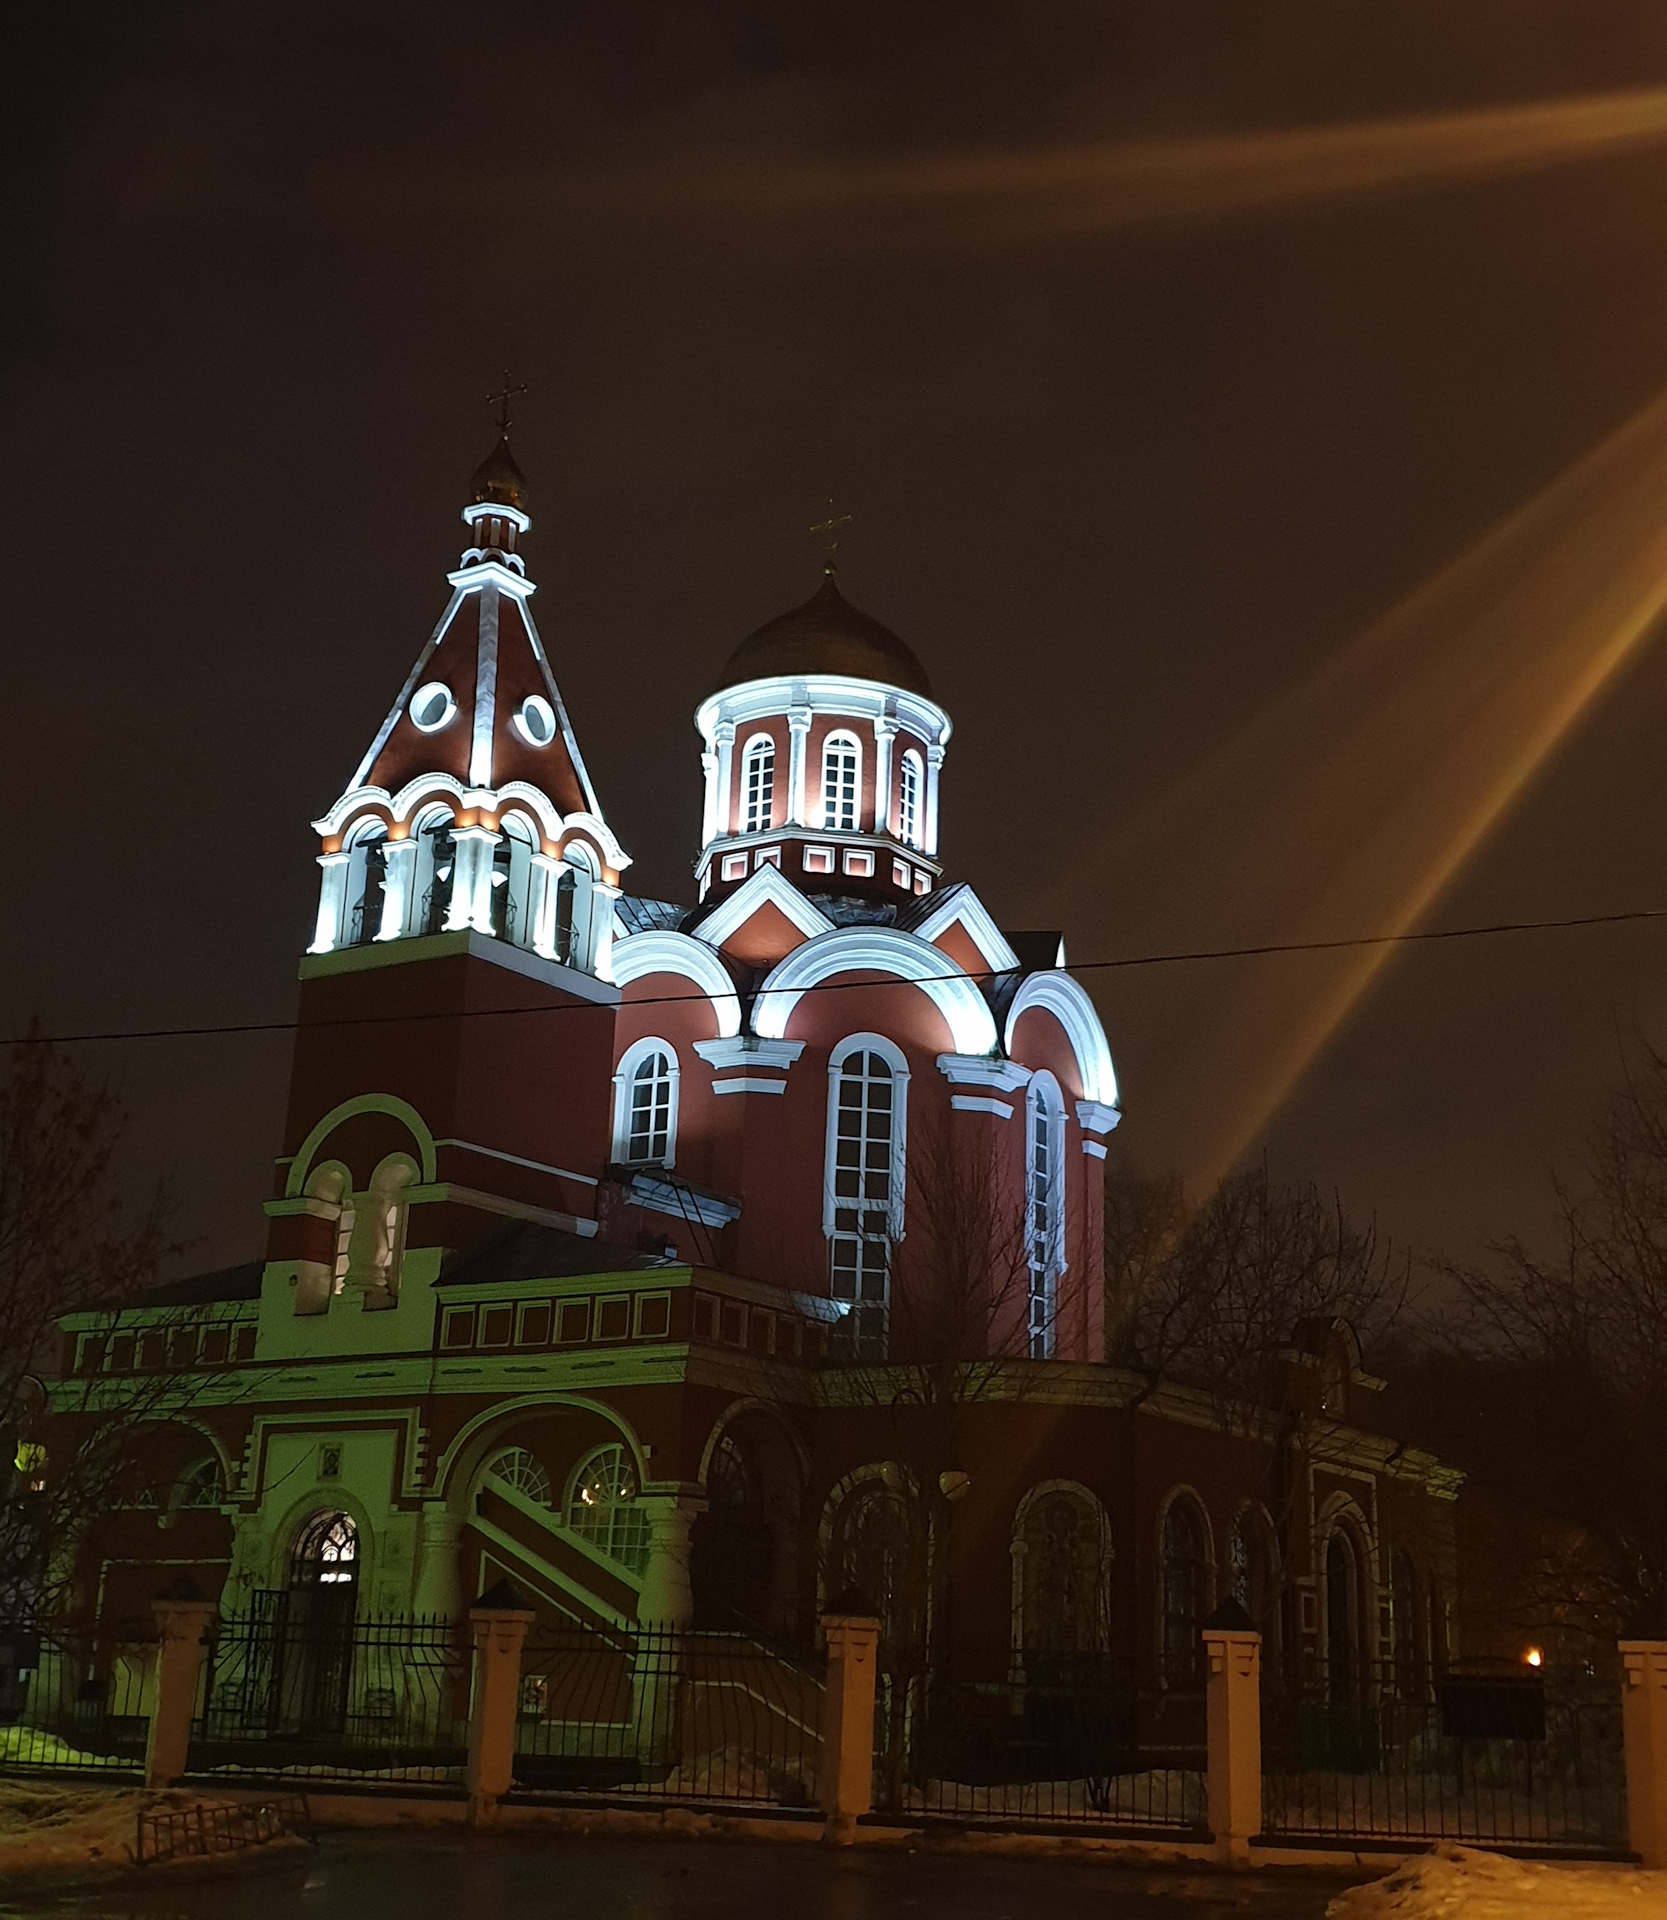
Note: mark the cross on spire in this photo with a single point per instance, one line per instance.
(829, 530)
(501, 400)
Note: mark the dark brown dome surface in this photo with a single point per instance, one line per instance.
(827, 635)
(498, 479)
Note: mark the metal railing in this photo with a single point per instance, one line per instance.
(301, 1690)
(1030, 1737)
(1514, 1760)
(74, 1704)
(667, 1713)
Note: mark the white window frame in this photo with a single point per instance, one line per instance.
(1044, 1211)
(894, 1058)
(624, 1076)
(911, 798)
(758, 768)
(842, 741)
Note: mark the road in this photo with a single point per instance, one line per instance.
(438, 1876)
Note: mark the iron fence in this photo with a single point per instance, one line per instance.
(1515, 1760)
(668, 1713)
(296, 1688)
(1027, 1737)
(74, 1704)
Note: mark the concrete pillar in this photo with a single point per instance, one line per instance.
(399, 885)
(1644, 1734)
(439, 1536)
(845, 1778)
(665, 1608)
(498, 1621)
(798, 732)
(1233, 1662)
(182, 1630)
(332, 892)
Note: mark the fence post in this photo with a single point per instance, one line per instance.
(1644, 1730)
(845, 1777)
(182, 1619)
(1233, 1658)
(498, 1620)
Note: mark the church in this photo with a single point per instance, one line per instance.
(697, 1262)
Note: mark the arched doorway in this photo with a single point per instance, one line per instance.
(1342, 1618)
(310, 1622)
(732, 1564)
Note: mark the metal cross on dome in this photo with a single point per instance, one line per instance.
(502, 398)
(829, 529)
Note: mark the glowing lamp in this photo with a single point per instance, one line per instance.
(1533, 1657)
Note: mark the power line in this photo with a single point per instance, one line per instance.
(1179, 957)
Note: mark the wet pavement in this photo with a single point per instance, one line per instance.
(438, 1876)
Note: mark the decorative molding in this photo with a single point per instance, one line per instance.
(976, 1103)
(764, 884)
(961, 903)
(640, 954)
(1095, 1149)
(971, 1070)
(1058, 994)
(747, 1050)
(681, 1202)
(748, 1083)
(877, 950)
(1094, 1118)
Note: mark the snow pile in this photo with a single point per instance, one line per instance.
(1460, 1883)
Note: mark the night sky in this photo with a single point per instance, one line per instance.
(1121, 484)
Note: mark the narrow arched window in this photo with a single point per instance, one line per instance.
(872, 1552)
(326, 1552)
(436, 866)
(758, 784)
(1342, 1618)
(1182, 1575)
(199, 1485)
(512, 876)
(1064, 1583)
(910, 781)
(1044, 1209)
(574, 899)
(864, 1191)
(1403, 1604)
(645, 1105)
(841, 779)
(367, 872)
(602, 1508)
(517, 1468)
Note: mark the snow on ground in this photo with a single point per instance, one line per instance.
(1461, 1883)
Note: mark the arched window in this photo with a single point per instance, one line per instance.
(367, 872)
(758, 782)
(645, 1105)
(732, 1545)
(512, 880)
(1181, 1573)
(864, 1186)
(1342, 1617)
(523, 1471)
(841, 782)
(1044, 1208)
(376, 1243)
(1252, 1576)
(326, 1552)
(575, 879)
(910, 784)
(436, 866)
(199, 1485)
(871, 1551)
(1064, 1611)
(602, 1508)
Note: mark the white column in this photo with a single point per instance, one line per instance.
(471, 885)
(486, 691)
(439, 1537)
(724, 808)
(541, 903)
(398, 885)
(331, 893)
(934, 760)
(601, 942)
(885, 731)
(798, 731)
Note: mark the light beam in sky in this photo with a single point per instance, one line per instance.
(1351, 803)
(1091, 187)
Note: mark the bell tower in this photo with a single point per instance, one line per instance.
(472, 808)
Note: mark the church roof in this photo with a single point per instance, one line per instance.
(499, 478)
(827, 635)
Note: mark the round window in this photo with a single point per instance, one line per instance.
(536, 720)
(432, 706)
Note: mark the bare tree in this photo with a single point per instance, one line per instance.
(1561, 1366)
(71, 1243)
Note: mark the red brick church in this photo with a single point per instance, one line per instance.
(695, 1261)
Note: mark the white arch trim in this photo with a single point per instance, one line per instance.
(1060, 995)
(507, 1411)
(972, 1029)
(396, 1109)
(641, 954)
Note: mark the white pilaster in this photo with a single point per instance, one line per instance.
(798, 731)
(934, 761)
(471, 887)
(709, 813)
(885, 732)
(602, 898)
(332, 891)
(723, 813)
(541, 905)
(486, 690)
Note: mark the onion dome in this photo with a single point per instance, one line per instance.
(498, 479)
(827, 635)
